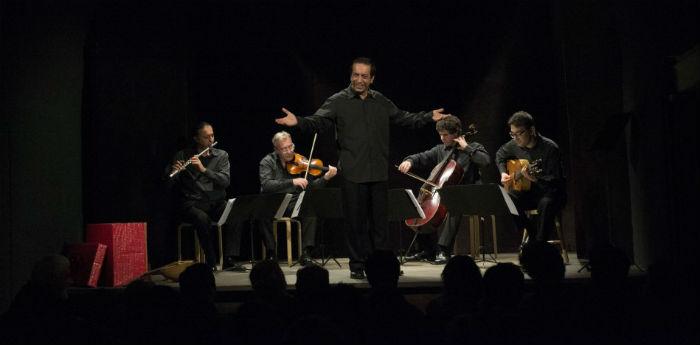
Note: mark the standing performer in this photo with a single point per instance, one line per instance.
(545, 191)
(471, 156)
(201, 182)
(275, 178)
(361, 117)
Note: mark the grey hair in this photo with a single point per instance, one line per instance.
(279, 136)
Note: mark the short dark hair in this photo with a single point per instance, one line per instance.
(365, 61)
(521, 119)
(450, 123)
(199, 126)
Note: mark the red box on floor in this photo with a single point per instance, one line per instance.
(85, 262)
(126, 257)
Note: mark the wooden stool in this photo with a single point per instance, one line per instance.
(198, 252)
(288, 226)
(560, 241)
(475, 236)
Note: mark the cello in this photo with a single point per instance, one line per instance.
(445, 173)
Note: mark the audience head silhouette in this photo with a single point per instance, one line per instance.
(382, 268)
(542, 262)
(267, 277)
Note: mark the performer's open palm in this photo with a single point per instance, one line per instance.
(438, 114)
(290, 120)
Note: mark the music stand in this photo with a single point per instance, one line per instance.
(323, 203)
(254, 207)
(404, 206)
(478, 199)
(241, 211)
(270, 206)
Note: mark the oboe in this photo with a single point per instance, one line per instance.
(189, 161)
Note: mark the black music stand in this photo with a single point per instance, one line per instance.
(258, 207)
(478, 199)
(403, 205)
(242, 211)
(322, 203)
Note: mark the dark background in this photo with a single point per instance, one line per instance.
(97, 97)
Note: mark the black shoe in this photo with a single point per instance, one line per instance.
(305, 258)
(441, 258)
(358, 274)
(233, 266)
(420, 256)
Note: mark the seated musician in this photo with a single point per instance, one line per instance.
(201, 186)
(471, 157)
(547, 191)
(275, 178)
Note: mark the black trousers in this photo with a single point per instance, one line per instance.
(366, 217)
(548, 204)
(201, 214)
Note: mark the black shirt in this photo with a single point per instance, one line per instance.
(362, 131)
(208, 186)
(274, 177)
(474, 153)
(552, 175)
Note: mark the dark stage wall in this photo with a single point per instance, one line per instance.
(99, 95)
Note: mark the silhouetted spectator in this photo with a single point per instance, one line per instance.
(313, 330)
(547, 312)
(312, 289)
(348, 310)
(198, 290)
(40, 312)
(499, 320)
(461, 281)
(154, 314)
(391, 318)
(264, 317)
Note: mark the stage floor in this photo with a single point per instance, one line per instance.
(417, 275)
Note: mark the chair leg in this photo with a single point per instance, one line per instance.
(495, 238)
(221, 248)
(474, 237)
(289, 243)
(198, 254)
(299, 244)
(562, 241)
(179, 243)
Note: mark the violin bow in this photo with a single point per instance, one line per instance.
(313, 144)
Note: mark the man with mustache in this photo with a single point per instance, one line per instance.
(361, 117)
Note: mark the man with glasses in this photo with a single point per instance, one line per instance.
(547, 193)
(274, 178)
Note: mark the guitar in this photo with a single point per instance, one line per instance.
(518, 182)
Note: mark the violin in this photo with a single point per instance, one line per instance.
(300, 164)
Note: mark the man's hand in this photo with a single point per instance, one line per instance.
(463, 144)
(198, 164)
(505, 178)
(290, 120)
(332, 171)
(405, 166)
(527, 175)
(300, 182)
(177, 165)
(438, 115)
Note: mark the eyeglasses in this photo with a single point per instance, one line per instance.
(516, 135)
(289, 148)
